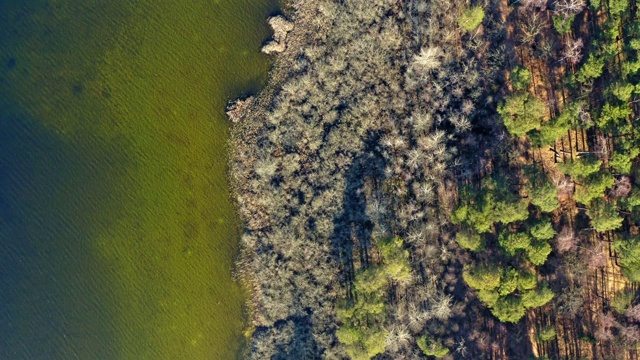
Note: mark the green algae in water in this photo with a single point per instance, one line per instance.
(120, 244)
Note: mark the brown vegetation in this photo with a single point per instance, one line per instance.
(495, 139)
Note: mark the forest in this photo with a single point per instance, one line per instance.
(451, 179)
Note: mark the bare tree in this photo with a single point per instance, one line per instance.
(622, 187)
(572, 53)
(428, 58)
(566, 240)
(534, 3)
(532, 26)
(568, 8)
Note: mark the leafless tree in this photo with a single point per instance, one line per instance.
(566, 240)
(622, 187)
(567, 8)
(532, 26)
(572, 53)
(534, 3)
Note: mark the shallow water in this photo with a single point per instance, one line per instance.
(117, 235)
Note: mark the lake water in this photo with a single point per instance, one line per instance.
(117, 236)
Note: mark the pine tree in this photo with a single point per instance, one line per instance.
(604, 216)
(522, 113)
(629, 251)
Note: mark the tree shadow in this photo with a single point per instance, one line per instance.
(291, 338)
(353, 226)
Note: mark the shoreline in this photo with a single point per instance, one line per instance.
(243, 133)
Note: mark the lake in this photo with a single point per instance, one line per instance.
(117, 234)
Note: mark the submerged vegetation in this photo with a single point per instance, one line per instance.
(449, 179)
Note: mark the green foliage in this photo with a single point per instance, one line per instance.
(537, 297)
(630, 67)
(595, 4)
(544, 196)
(622, 300)
(557, 127)
(541, 192)
(538, 252)
(479, 215)
(629, 252)
(593, 187)
(547, 333)
(471, 18)
(527, 280)
(396, 259)
(622, 90)
(591, 70)
(543, 230)
(507, 212)
(521, 113)
(469, 239)
(617, 7)
(520, 78)
(483, 277)
(396, 267)
(581, 168)
(611, 116)
(604, 216)
(508, 309)
(371, 281)
(562, 24)
(622, 161)
(631, 201)
(362, 319)
(512, 242)
(489, 297)
(491, 205)
(361, 344)
(509, 282)
(431, 347)
(512, 308)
